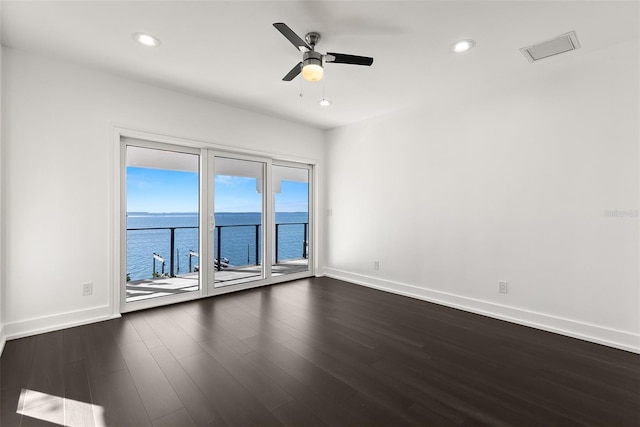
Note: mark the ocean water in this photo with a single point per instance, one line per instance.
(237, 239)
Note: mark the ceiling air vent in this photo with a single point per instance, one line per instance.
(557, 45)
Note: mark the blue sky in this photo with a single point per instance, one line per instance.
(294, 197)
(159, 190)
(156, 190)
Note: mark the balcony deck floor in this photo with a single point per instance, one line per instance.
(153, 288)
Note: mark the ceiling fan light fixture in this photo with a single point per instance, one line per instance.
(312, 70)
(146, 39)
(462, 45)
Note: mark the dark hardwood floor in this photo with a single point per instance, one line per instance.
(314, 352)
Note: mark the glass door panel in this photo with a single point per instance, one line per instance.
(239, 186)
(162, 223)
(291, 230)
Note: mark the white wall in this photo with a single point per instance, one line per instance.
(2, 334)
(512, 183)
(59, 150)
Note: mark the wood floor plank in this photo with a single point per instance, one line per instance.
(78, 407)
(305, 372)
(123, 331)
(102, 353)
(118, 400)
(199, 327)
(213, 316)
(196, 330)
(293, 414)
(230, 400)
(268, 393)
(171, 334)
(260, 323)
(235, 328)
(10, 408)
(157, 395)
(444, 395)
(312, 399)
(144, 330)
(15, 365)
(192, 398)
(362, 378)
(44, 395)
(179, 418)
(74, 348)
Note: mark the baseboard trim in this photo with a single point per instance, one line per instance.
(593, 333)
(3, 339)
(56, 322)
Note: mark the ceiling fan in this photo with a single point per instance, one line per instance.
(313, 62)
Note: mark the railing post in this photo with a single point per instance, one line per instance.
(304, 242)
(277, 232)
(219, 248)
(159, 258)
(172, 249)
(191, 255)
(257, 242)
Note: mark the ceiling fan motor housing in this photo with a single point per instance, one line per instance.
(312, 57)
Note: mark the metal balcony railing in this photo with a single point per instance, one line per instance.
(219, 256)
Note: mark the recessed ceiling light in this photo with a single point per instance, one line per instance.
(146, 39)
(324, 102)
(462, 45)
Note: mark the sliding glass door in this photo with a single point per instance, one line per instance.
(162, 222)
(192, 216)
(239, 188)
(291, 229)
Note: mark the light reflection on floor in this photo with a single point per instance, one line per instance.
(59, 410)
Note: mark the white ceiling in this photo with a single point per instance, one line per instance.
(229, 51)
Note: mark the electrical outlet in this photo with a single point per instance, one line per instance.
(503, 287)
(87, 289)
(376, 265)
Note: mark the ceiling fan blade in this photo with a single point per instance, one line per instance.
(293, 73)
(343, 58)
(300, 44)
